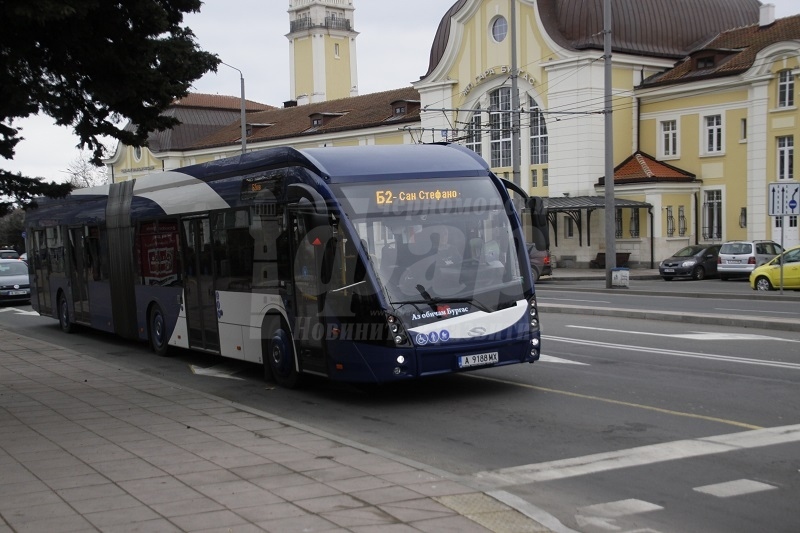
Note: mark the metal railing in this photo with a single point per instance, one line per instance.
(331, 23)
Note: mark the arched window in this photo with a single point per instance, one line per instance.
(500, 126)
(473, 137)
(538, 134)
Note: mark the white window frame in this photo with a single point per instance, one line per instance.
(498, 29)
(500, 125)
(785, 153)
(539, 137)
(785, 89)
(715, 214)
(474, 134)
(669, 139)
(715, 131)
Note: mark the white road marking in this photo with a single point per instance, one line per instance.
(217, 371)
(18, 311)
(619, 508)
(740, 487)
(648, 350)
(575, 300)
(755, 311)
(640, 456)
(602, 515)
(697, 335)
(550, 359)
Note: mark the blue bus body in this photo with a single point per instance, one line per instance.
(364, 264)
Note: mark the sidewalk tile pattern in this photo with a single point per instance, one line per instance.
(85, 446)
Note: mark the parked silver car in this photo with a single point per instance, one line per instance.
(696, 262)
(14, 283)
(740, 258)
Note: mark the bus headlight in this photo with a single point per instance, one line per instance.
(533, 313)
(396, 330)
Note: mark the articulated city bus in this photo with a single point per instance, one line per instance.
(365, 264)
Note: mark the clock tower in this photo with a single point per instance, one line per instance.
(322, 50)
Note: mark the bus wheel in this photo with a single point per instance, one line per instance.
(281, 360)
(158, 331)
(63, 315)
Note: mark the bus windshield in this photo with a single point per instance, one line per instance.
(437, 241)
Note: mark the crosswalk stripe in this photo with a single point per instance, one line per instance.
(739, 487)
(640, 456)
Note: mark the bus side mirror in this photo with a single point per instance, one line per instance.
(310, 204)
(538, 213)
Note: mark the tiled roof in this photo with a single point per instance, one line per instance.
(643, 168)
(358, 112)
(733, 52)
(656, 28)
(219, 101)
(200, 115)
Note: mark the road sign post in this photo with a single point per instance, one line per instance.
(784, 200)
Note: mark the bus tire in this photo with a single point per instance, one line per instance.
(282, 360)
(157, 331)
(63, 315)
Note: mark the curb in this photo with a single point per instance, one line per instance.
(777, 324)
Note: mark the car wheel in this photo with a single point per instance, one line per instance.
(698, 273)
(667, 278)
(536, 274)
(158, 331)
(763, 284)
(282, 361)
(63, 315)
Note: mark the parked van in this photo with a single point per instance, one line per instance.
(740, 258)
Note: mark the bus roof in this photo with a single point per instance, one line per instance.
(343, 164)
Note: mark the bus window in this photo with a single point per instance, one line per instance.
(233, 251)
(158, 253)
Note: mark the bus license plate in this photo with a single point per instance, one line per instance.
(478, 359)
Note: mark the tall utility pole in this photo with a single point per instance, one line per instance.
(611, 229)
(243, 111)
(515, 107)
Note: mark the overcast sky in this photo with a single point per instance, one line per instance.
(393, 48)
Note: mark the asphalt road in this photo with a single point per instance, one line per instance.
(644, 392)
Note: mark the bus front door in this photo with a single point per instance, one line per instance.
(201, 304)
(308, 248)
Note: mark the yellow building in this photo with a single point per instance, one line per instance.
(728, 113)
(704, 112)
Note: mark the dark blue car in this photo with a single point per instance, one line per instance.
(696, 262)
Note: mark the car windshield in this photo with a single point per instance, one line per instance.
(438, 241)
(13, 269)
(689, 251)
(736, 248)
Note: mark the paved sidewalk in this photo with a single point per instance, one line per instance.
(87, 446)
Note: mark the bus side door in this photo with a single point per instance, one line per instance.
(201, 304)
(308, 243)
(79, 274)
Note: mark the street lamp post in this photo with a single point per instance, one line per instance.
(244, 118)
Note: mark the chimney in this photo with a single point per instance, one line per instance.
(767, 15)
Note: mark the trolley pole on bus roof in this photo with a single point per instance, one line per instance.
(244, 117)
(610, 219)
